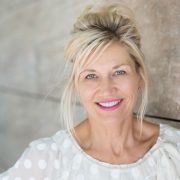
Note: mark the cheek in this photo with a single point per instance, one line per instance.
(85, 94)
(129, 87)
(87, 88)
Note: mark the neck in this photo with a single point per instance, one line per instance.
(110, 135)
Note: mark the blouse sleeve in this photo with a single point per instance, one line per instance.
(168, 164)
(39, 161)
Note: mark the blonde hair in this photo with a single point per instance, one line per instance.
(95, 29)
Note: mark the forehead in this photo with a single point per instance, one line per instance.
(115, 54)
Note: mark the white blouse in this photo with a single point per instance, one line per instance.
(60, 158)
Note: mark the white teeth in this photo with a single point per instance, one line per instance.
(109, 104)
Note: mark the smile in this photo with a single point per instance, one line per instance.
(110, 105)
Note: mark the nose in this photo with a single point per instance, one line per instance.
(107, 86)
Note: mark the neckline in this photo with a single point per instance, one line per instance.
(109, 165)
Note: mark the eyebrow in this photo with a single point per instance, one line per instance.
(88, 70)
(115, 67)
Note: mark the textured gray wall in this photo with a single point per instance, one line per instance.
(32, 35)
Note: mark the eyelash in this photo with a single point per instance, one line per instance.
(122, 72)
(93, 76)
(89, 76)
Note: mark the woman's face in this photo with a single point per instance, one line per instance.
(108, 87)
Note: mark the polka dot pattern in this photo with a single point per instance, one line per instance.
(42, 164)
(65, 174)
(41, 146)
(47, 160)
(66, 144)
(27, 164)
(78, 158)
(54, 147)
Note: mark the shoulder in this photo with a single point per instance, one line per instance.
(170, 135)
(168, 147)
(51, 143)
(169, 144)
(47, 148)
(161, 131)
(55, 145)
(41, 156)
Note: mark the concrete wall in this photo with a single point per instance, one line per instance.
(32, 35)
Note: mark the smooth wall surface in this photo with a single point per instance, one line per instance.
(32, 36)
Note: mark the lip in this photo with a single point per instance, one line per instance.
(110, 108)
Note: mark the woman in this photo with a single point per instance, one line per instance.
(113, 142)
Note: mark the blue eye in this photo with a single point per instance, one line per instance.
(120, 72)
(90, 76)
